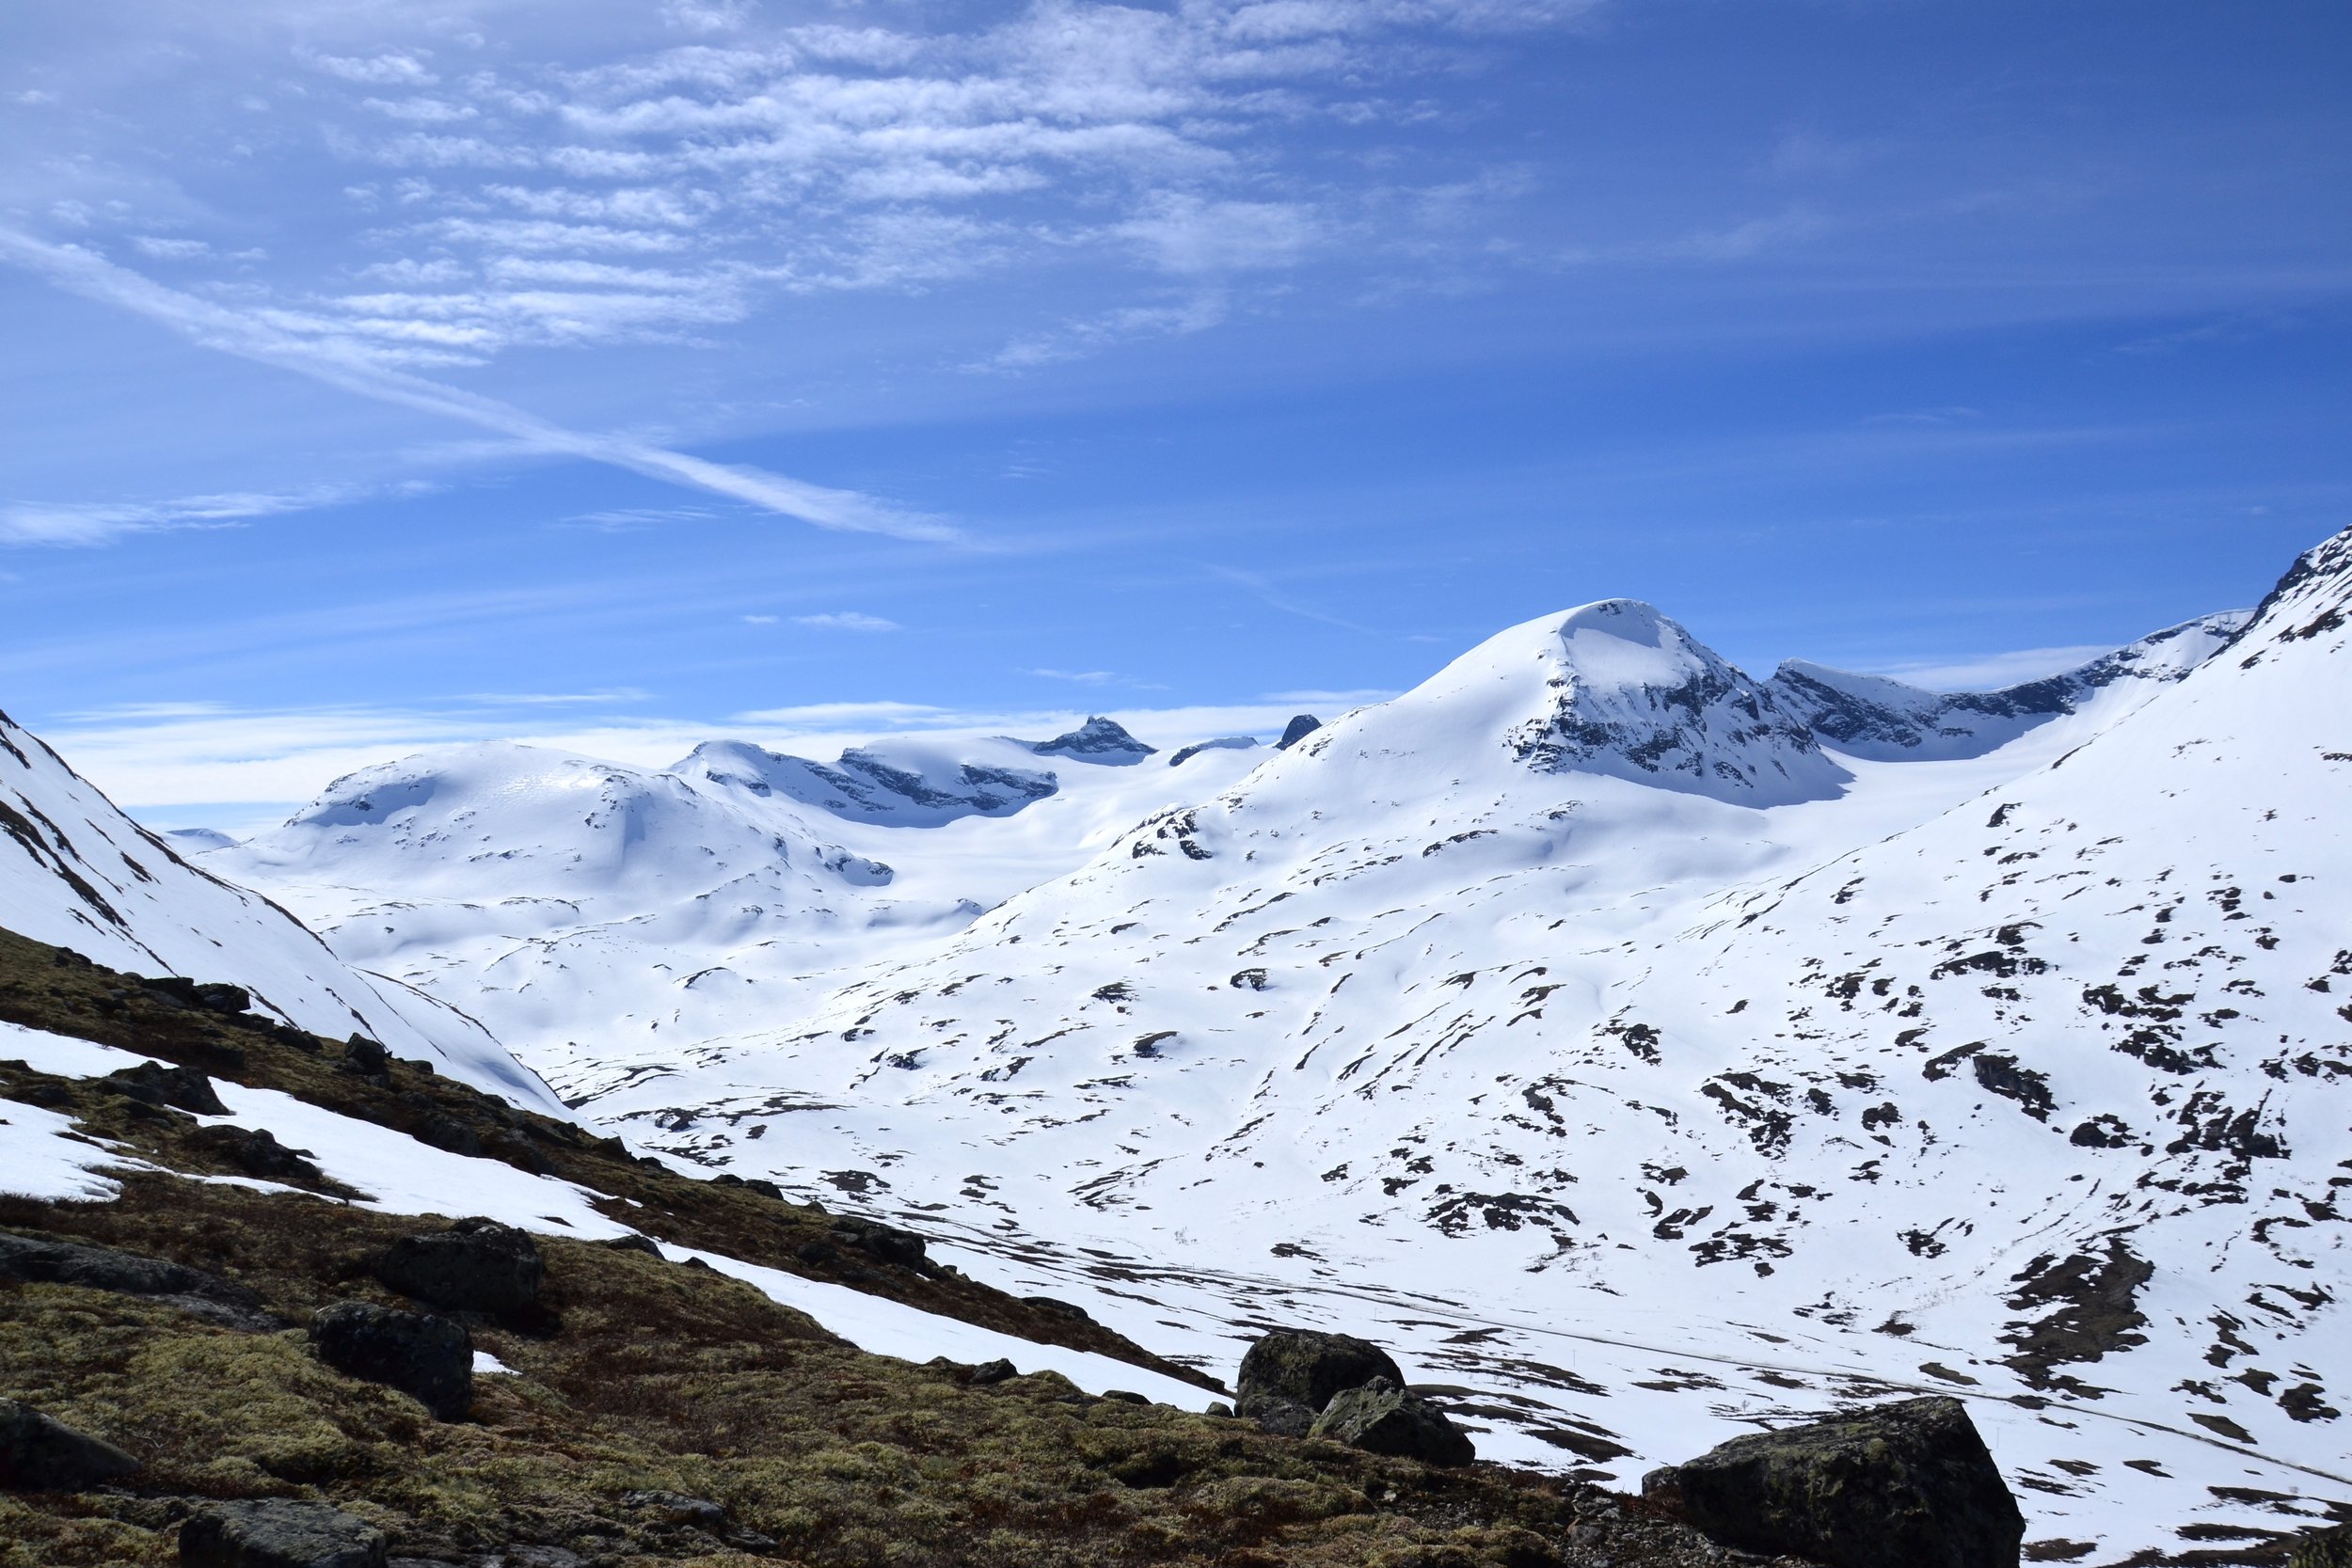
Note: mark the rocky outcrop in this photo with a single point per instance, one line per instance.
(40, 1454)
(278, 1532)
(476, 1265)
(1302, 1366)
(1381, 1417)
(256, 1152)
(1904, 1485)
(428, 1358)
(24, 1260)
(181, 1087)
(1299, 728)
(1099, 739)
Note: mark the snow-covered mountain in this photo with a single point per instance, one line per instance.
(1646, 1048)
(630, 916)
(1870, 715)
(77, 873)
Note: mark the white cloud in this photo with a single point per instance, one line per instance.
(707, 16)
(171, 251)
(846, 620)
(886, 713)
(558, 698)
(104, 522)
(325, 354)
(387, 69)
(761, 620)
(1081, 677)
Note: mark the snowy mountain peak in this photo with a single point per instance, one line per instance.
(1889, 721)
(1619, 689)
(907, 784)
(1099, 739)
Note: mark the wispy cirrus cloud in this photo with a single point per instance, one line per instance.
(846, 620)
(71, 523)
(326, 353)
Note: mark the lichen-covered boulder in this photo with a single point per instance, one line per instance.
(40, 1454)
(428, 1358)
(1904, 1485)
(278, 1532)
(476, 1265)
(1304, 1367)
(1381, 1417)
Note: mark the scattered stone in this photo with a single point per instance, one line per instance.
(1902, 1485)
(677, 1509)
(153, 1084)
(428, 1358)
(998, 1370)
(256, 1152)
(1124, 1396)
(277, 1532)
(366, 1057)
(40, 1454)
(1303, 1367)
(1059, 1308)
(1217, 1407)
(634, 1243)
(212, 997)
(24, 1260)
(885, 1244)
(1381, 1417)
(476, 1265)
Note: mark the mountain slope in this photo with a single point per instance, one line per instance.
(75, 872)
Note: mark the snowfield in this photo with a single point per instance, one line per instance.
(1642, 1050)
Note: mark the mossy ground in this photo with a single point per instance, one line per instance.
(643, 1374)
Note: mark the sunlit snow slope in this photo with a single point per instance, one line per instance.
(75, 872)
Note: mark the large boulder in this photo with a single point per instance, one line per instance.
(428, 1358)
(153, 1084)
(278, 1532)
(476, 1265)
(1904, 1485)
(25, 1260)
(39, 1455)
(1289, 1375)
(1381, 1417)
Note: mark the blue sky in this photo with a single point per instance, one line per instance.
(621, 372)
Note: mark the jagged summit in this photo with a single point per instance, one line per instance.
(1613, 687)
(1099, 739)
(1888, 721)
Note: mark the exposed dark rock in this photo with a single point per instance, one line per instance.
(1284, 1417)
(256, 1152)
(210, 996)
(677, 1509)
(207, 1295)
(365, 1056)
(1303, 1367)
(634, 1243)
(39, 1455)
(428, 1358)
(2326, 1548)
(999, 1370)
(1904, 1485)
(886, 1243)
(1223, 744)
(1099, 739)
(1299, 728)
(1124, 1396)
(278, 1532)
(1381, 1417)
(817, 1254)
(1059, 1308)
(476, 1265)
(183, 1088)
(2093, 1308)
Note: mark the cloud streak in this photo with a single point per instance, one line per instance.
(339, 361)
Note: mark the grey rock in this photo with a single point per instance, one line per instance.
(634, 1243)
(428, 1358)
(1305, 1367)
(1299, 728)
(275, 1532)
(256, 1152)
(24, 1260)
(40, 1454)
(1902, 1485)
(675, 1508)
(1381, 1417)
(1284, 1417)
(1099, 739)
(365, 1056)
(181, 1087)
(476, 1265)
(999, 1370)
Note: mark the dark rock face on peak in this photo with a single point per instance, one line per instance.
(1904, 1485)
(428, 1358)
(278, 1532)
(1299, 728)
(1222, 743)
(39, 1455)
(1381, 1417)
(1289, 1375)
(864, 786)
(476, 1265)
(1099, 739)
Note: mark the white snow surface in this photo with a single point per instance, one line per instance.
(39, 1157)
(77, 873)
(1637, 1057)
